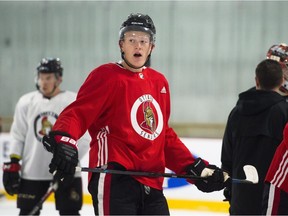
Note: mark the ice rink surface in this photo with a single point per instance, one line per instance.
(8, 208)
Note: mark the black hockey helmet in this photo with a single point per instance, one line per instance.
(138, 22)
(50, 65)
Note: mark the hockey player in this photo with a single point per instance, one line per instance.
(276, 183)
(253, 132)
(126, 108)
(275, 196)
(35, 114)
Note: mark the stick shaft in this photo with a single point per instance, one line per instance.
(50, 190)
(135, 173)
(152, 174)
(241, 181)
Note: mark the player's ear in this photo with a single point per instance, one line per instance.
(151, 48)
(257, 83)
(120, 44)
(59, 80)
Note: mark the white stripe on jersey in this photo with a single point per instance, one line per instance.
(102, 147)
(270, 200)
(281, 172)
(100, 195)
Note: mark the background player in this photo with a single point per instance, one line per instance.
(275, 196)
(253, 132)
(35, 114)
(279, 53)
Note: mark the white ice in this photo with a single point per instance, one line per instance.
(8, 208)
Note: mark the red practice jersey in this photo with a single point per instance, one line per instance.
(126, 114)
(278, 170)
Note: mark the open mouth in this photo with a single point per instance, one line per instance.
(137, 55)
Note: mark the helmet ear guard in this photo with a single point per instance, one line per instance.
(36, 83)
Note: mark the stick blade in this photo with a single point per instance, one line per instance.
(251, 174)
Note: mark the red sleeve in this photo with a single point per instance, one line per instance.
(94, 96)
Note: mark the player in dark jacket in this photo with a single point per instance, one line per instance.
(253, 132)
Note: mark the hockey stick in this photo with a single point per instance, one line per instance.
(50, 190)
(136, 173)
(250, 173)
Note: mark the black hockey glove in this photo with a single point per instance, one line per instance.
(228, 190)
(215, 176)
(11, 176)
(65, 155)
(227, 194)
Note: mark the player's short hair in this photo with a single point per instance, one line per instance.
(269, 74)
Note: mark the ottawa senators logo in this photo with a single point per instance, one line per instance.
(146, 117)
(149, 122)
(43, 124)
(46, 126)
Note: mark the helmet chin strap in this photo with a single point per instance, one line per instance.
(50, 94)
(132, 66)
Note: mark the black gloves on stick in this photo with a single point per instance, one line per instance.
(65, 155)
(215, 176)
(227, 192)
(11, 176)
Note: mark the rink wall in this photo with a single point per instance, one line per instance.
(179, 193)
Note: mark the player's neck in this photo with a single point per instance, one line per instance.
(126, 66)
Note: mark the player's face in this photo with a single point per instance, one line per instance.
(136, 46)
(47, 83)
